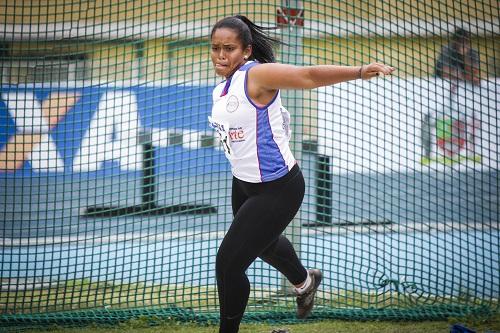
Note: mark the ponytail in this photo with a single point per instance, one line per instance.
(251, 34)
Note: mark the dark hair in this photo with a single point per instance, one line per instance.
(250, 34)
(460, 35)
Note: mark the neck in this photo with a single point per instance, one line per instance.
(235, 70)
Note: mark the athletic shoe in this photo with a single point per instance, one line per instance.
(280, 330)
(305, 301)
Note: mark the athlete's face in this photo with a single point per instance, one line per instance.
(227, 52)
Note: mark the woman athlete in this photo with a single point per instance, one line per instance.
(268, 186)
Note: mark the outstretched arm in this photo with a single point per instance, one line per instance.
(273, 76)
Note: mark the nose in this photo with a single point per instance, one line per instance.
(222, 54)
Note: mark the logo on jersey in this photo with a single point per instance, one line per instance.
(286, 122)
(236, 134)
(232, 104)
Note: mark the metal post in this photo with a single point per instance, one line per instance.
(290, 18)
(324, 190)
(148, 170)
(148, 205)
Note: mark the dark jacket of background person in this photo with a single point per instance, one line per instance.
(458, 60)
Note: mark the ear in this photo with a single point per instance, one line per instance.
(247, 53)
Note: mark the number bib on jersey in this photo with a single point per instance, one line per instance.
(222, 129)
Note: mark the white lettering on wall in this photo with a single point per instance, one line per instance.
(112, 134)
(33, 130)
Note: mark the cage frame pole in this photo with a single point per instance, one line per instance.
(290, 20)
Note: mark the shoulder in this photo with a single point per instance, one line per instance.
(248, 66)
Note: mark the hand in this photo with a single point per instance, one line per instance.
(375, 69)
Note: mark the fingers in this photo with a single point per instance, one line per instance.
(386, 70)
(377, 70)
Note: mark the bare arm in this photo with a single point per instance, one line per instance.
(279, 76)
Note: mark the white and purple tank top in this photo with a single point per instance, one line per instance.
(255, 138)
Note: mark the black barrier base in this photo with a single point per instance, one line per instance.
(148, 210)
(346, 223)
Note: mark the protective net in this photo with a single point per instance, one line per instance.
(115, 193)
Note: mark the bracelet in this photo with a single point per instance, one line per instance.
(360, 70)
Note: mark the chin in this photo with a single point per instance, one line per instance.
(220, 73)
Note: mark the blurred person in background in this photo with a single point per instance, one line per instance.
(458, 61)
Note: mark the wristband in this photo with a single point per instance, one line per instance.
(359, 73)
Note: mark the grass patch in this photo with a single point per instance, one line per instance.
(83, 294)
(163, 307)
(144, 325)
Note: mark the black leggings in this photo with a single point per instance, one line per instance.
(261, 213)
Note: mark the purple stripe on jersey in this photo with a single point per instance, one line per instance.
(271, 162)
(228, 82)
(226, 87)
(248, 65)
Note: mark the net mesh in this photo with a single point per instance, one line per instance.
(115, 194)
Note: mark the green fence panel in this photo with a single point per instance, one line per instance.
(115, 193)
